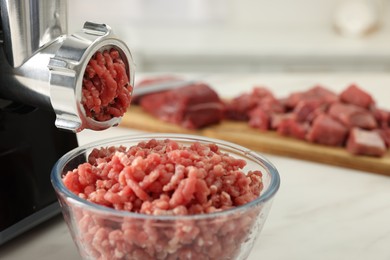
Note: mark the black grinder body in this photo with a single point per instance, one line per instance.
(30, 144)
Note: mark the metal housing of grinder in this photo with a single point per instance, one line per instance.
(41, 80)
(42, 66)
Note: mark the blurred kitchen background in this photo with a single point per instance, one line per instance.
(247, 35)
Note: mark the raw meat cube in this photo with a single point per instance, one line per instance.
(351, 115)
(364, 142)
(328, 131)
(259, 119)
(382, 117)
(260, 116)
(307, 110)
(354, 95)
(271, 105)
(315, 93)
(292, 128)
(385, 134)
(276, 119)
(239, 107)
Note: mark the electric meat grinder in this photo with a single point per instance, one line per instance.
(41, 74)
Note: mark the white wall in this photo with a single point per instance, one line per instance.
(249, 34)
(238, 12)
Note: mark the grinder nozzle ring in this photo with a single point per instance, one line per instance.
(67, 69)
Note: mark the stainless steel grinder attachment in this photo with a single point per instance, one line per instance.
(42, 66)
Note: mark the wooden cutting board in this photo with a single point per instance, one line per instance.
(267, 142)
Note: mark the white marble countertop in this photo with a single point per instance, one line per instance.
(320, 212)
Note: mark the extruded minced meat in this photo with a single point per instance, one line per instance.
(106, 91)
(164, 178)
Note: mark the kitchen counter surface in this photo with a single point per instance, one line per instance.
(321, 212)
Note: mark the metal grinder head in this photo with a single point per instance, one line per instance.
(42, 66)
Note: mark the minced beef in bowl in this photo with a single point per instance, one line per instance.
(164, 196)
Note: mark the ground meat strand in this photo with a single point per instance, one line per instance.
(106, 87)
(164, 178)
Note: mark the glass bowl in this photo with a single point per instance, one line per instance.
(101, 232)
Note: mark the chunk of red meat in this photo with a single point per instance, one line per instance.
(262, 92)
(351, 115)
(292, 128)
(259, 119)
(239, 107)
(385, 134)
(355, 95)
(328, 131)
(382, 117)
(260, 116)
(307, 110)
(192, 107)
(271, 105)
(276, 119)
(315, 93)
(365, 142)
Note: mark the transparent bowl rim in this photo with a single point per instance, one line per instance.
(103, 210)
